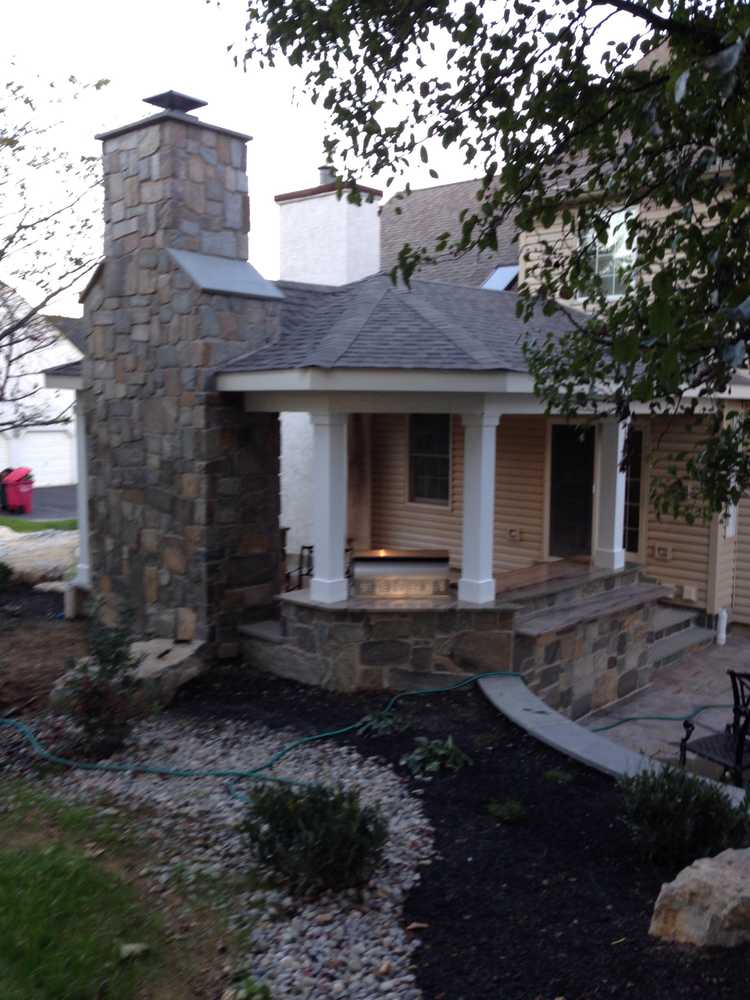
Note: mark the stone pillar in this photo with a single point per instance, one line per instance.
(477, 583)
(610, 552)
(329, 583)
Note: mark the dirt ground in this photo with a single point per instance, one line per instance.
(35, 645)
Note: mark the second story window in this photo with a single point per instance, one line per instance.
(429, 458)
(613, 260)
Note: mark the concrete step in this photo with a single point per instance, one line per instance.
(673, 647)
(268, 630)
(667, 620)
(621, 599)
(569, 590)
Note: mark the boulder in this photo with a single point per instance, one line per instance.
(163, 667)
(708, 904)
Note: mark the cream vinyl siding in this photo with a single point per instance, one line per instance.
(519, 500)
(741, 599)
(678, 554)
(723, 551)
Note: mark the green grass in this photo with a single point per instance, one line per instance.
(30, 810)
(22, 525)
(62, 922)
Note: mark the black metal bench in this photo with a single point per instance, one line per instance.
(730, 749)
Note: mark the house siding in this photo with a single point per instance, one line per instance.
(519, 507)
(677, 554)
(741, 595)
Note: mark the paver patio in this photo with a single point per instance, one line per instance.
(700, 678)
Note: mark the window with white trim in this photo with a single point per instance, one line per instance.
(613, 260)
(429, 457)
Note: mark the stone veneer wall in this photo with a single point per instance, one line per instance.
(183, 484)
(384, 647)
(583, 667)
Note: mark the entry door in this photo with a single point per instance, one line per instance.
(571, 485)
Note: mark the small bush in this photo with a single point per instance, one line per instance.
(6, 575)
(432, 756)
(509, 811)
(103, 695)
(675, 818)
(319, 838)
(558, 776)
(382, 724)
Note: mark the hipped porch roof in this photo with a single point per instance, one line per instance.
(373, 323)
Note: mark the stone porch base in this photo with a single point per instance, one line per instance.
(398, 645)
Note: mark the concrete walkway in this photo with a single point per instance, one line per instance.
(700, 678)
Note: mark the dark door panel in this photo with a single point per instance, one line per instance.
(571, 484)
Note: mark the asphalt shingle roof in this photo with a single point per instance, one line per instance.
(420, 217)
(374, 324)
(71, 327)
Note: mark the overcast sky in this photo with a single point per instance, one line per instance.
(148, 46)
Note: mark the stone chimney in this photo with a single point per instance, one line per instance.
(326, 239)
(173, 181)
(183, 483)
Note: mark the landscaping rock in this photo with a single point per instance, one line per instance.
(163, 668)
(708, 904)
(36, 556)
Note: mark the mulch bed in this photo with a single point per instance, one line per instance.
(553, 908)
(35, 644)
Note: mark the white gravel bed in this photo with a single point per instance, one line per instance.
(349, 944)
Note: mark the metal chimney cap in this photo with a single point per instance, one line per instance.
(173, 100)
(327, 174)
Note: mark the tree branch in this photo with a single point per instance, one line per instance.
(667, 24)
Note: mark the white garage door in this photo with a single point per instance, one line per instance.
(741, 603)
(4, 453)
(50, 455)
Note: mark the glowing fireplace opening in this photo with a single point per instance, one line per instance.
(401, 573)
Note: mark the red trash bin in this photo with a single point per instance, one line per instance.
(19, 489)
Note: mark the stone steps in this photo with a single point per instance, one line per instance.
(674, 646)
(268, 630)
(619, 600)
(668, 620)
(565, 591)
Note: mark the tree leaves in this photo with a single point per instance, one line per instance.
(566, 137)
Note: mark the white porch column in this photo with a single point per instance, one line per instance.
(83, 577)
(477, 584)
(610, 551)
(329, 583)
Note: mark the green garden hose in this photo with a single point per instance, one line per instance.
(256, 774)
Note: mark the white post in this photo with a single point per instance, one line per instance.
(329, 583)
(610, 550)
(83, 577)
(477, 584)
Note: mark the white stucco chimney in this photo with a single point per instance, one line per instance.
(325, 239)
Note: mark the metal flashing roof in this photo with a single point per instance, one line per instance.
(224, 276)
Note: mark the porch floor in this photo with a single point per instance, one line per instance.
(699, 678)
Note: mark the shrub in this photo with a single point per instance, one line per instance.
(103, 695)
(6, 575)
(509, 811)
(675, 817)
(558, 776)
(319, 838)
(432, 756)
(383, 723)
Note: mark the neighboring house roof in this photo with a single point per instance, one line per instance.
(374, 324)
(427, 213)
(73, 328)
